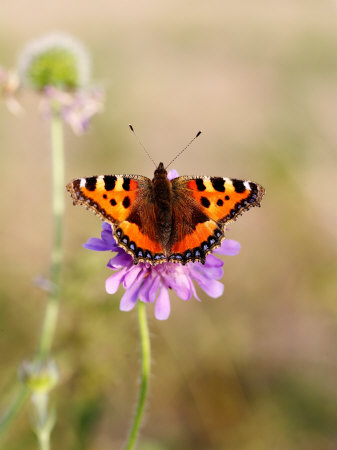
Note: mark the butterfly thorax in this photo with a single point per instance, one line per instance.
(162, 197)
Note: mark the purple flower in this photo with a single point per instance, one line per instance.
(77, 108)
(151, 284)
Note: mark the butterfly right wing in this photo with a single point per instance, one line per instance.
(201, 208)
(124, 202)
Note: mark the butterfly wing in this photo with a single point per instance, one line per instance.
(201, 208)
(125, 202)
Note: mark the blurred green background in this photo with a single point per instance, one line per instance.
(256, 369)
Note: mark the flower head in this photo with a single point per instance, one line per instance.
(58, 67)
(151, 284)
(76, 108)
(56, 60)
(39, 376)
(9, 87)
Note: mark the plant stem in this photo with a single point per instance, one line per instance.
(144, 383)
(52, 307)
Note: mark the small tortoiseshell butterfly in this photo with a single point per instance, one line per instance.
(159, 220)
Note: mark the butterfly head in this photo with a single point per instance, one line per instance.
(160, 170)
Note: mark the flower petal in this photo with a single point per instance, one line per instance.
(180, 284)
(132, 275)
(162, 307)
(213, 288)
(96, 244)
(122, 259)
(213, 272)
(149, 288)
(109, 240)
(172, 174)
(106, 227)
(130, 296)
(113, 282)
(228, 247)
(212, 261)
(193, 291)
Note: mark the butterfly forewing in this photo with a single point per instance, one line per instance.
(222, 199)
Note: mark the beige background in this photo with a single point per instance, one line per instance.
(256, 369)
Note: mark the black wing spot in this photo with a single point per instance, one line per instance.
(227, 197)
(105, 196)
(205, 202)
(126, 202)
(220, 202)
(113, 202)
(238, 186)
(110, 182)
(90, 183)
(126, 184)
(218, 184)
(200, 184)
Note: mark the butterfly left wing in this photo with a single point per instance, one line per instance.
(123, 201)
(202, 206)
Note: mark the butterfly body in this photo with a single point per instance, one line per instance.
(160, 220)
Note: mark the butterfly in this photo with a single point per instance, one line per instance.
(162, 220)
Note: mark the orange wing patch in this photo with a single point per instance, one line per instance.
(223, 199)
(138, 244)
(202, 232)
(109, 196)
(195, 246)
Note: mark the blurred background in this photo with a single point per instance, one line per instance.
(255, 369)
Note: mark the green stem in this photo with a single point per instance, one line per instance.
(44, 441)
(44, 419)
(144, 383)
(52, 307)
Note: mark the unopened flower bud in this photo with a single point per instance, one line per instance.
(39, 377)
(56, 60)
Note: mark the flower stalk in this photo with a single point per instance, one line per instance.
(44, 418)
(52, 308)
(57, 67)
(145, 375)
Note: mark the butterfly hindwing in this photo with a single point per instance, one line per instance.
(122, 201)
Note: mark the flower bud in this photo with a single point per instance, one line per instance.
(56, 60)
(39, 377)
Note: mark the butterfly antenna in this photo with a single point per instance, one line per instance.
(141, 144)
(186, 146)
